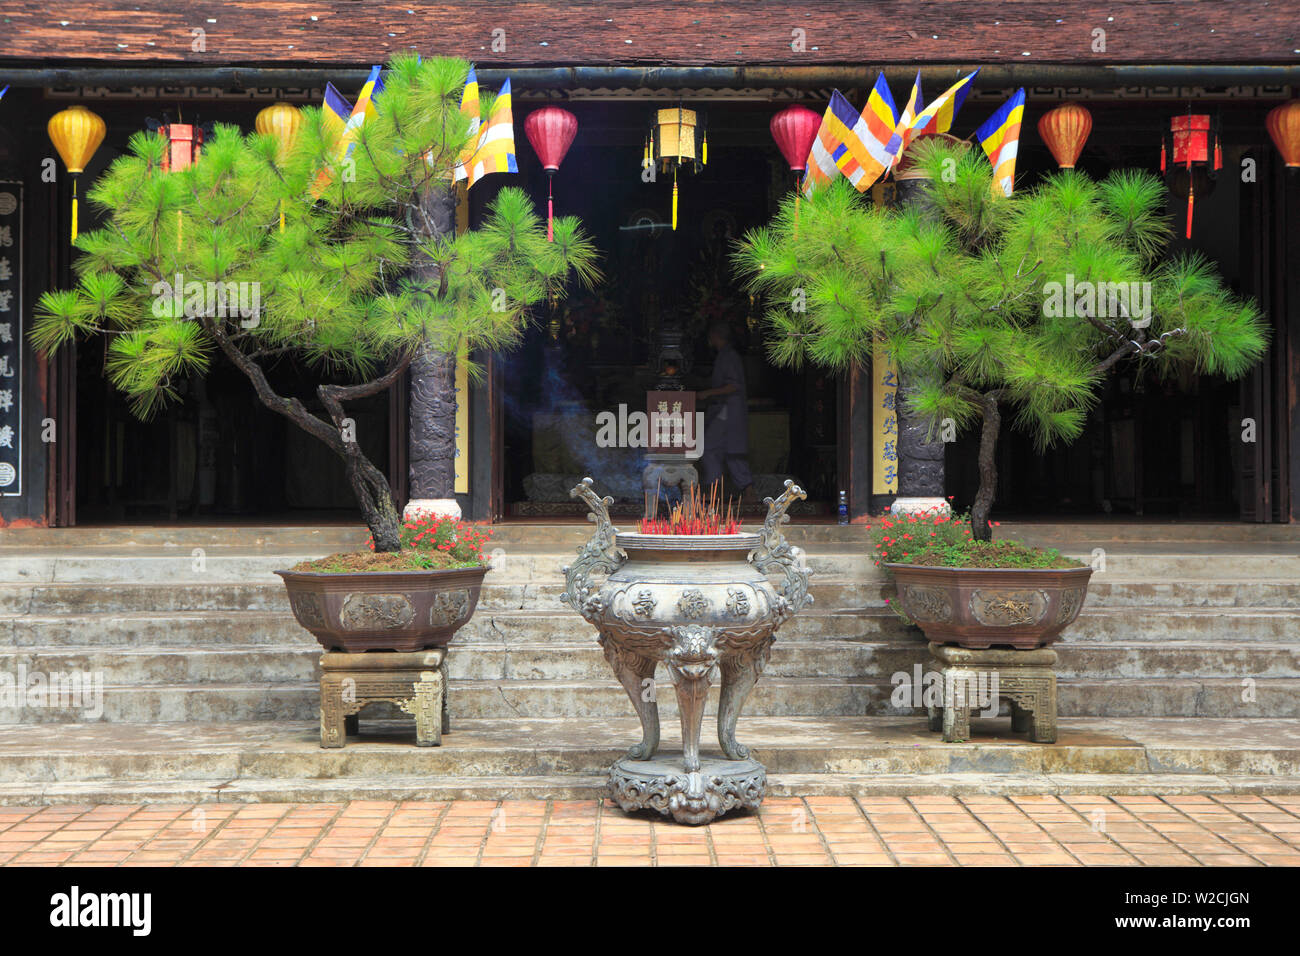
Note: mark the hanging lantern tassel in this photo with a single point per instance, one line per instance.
(550, 209)
(674, 199)
(74, 208)
(1191, 201)
(798, 194)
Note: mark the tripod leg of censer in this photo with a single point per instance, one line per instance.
(636, 674)
(739, 675)
(691, 663)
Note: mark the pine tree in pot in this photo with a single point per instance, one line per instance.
(195, 266)
(1022, 304)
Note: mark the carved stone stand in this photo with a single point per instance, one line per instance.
(415, 681)
(1024, 678)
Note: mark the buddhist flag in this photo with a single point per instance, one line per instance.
(1000, 137)
(841, 147)
(496, 141)
(336, 109)
(469, 106)
(880, 116)
(363, 108)
(903, 128)
(938, 116)
(335, 112)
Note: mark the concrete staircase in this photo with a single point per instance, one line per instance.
(191, 635)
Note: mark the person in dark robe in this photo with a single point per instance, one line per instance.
(726, 423)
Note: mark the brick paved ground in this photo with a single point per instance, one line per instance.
(885, 831)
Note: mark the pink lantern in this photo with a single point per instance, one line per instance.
(551, 130)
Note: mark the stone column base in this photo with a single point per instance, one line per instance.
(916, 506)
(416, 682)
(979, 679)
(420, 507)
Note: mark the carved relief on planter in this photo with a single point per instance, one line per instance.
(1071, 602)
(363, 612)
(448, 607)
(306, 608)
(1008, 608)
(927, 604)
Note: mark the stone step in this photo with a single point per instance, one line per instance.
(204, 628)
(494, 789)
(1271, 697)
(830, 592)
(805, 756)
(1152, 563)
(1111, 625)
(343, 532)
(250, 663)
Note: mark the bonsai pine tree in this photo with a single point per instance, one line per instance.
(986, 302)
(194, 265)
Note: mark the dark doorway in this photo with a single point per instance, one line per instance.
(598, 350)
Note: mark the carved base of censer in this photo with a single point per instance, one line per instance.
(719, 786)
(704, 607)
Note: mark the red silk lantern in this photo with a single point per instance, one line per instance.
(1284, 126)
(551, 130)
(1065, 130)
(1191, 156)
(794, 129)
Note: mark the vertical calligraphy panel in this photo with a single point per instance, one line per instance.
(11, 339)
(884, 397)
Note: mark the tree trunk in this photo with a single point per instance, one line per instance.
(979, 515)
(431, 413)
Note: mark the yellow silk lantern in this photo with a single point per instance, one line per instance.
(677, 138)
(76, 133)
(281, 121)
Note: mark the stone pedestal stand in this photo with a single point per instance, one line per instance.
(416, 682)
(974, 679)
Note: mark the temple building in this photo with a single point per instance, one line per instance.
(71, 452)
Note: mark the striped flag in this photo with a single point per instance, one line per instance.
(841, 147)
(938, 116)
(1000, 137)
(336, 110)
(880, 116)
(469, 105)
(496, 142)
(361, 110)
(903, 128)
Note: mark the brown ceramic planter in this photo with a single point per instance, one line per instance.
(991, 607)
(384, 611)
